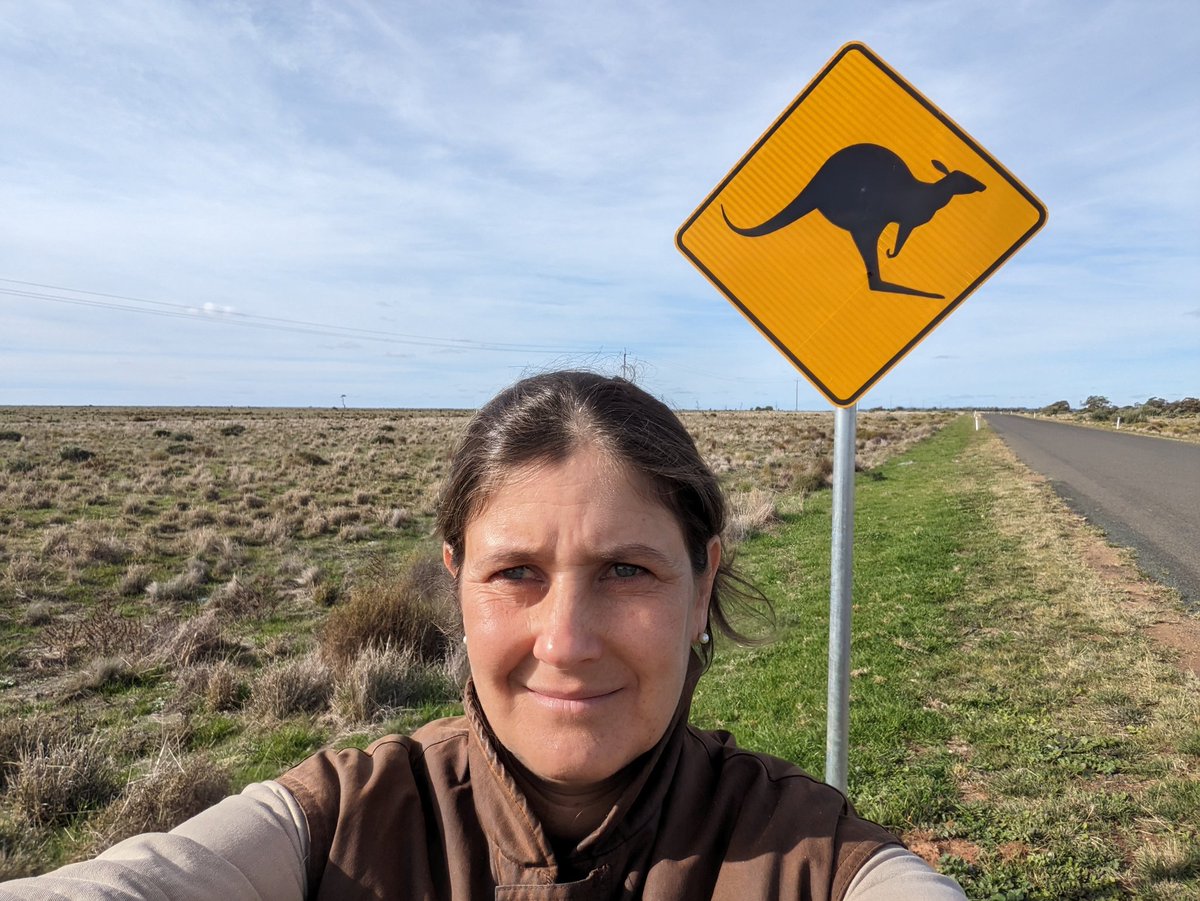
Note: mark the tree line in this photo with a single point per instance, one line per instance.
(1100, 408)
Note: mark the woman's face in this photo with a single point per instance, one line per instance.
(580, 607)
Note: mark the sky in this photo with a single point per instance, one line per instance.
(412, 204)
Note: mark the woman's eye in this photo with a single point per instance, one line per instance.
(626, 570)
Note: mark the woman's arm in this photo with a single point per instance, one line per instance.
(896, 874)
(249, 847)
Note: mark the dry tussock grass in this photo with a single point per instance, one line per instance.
(196, 639)
(300, 686)
(136, 579)
(213, 687)
(750, 513)
(173, 788)
(99, 674)
(411, 607)
(381, 679)
(58, 778)
(252, 597)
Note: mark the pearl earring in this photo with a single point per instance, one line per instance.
(705, 638)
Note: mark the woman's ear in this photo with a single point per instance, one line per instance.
(704, 581)
(448, 560)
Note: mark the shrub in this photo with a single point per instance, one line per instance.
(104, 633)
(816, 476)
(232, 431)
(302, 685)
(10, 436)
(17, 467)
(412, 609)
(73, 454)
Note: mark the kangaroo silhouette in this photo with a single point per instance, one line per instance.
(862, 189)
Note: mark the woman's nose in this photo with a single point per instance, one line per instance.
(566, 633)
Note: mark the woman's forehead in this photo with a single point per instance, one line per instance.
(588, 464)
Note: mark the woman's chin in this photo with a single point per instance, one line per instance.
(571, 770)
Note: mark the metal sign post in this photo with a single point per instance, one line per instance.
(841, 597)
(805, 237)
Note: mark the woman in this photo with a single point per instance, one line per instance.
(582, 530)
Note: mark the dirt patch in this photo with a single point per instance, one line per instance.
(1170, 626)
(1010, 851)
(930, 849)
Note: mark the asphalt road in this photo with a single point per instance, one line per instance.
(1144, 492)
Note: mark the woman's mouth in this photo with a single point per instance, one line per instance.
(574, 701)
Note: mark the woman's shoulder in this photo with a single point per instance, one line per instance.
(766, 799)
(731, 762)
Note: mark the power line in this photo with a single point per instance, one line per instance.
(213, 313)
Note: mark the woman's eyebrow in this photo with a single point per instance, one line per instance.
(634, 550)
(637, 551)
(503, 554)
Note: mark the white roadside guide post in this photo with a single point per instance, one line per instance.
(792, 237)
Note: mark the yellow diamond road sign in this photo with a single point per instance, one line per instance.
(857, 223)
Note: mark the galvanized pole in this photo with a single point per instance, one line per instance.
(841, 571)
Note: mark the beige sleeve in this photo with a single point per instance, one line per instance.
(896, 874)
(249, 847)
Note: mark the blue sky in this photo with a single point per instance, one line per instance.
(413, 203)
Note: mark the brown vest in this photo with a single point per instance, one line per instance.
(438, 816)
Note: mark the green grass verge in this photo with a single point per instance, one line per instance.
(1007, 717)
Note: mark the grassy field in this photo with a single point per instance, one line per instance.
(208, 597)
(194, 599)
(1010, 716)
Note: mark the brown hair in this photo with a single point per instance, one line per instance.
(546, 417)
